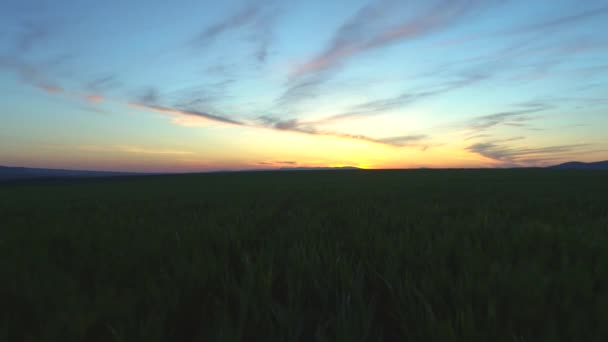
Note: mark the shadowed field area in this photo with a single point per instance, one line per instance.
(352, 255)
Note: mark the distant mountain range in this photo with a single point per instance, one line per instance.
(318, 168)
(601, 165)
(9, 173)
(289, 168)
(14, 173)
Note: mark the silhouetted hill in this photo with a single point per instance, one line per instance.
(318, 168)
(601, 165)
(13, 173)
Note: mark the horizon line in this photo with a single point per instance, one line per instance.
(295, 168)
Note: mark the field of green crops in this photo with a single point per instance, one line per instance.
(420, 255)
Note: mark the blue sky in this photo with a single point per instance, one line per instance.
(200, 85)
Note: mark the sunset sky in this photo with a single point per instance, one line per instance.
(172, 86)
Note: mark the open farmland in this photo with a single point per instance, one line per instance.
(351, 255)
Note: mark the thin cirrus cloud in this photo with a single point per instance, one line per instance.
(280, 162)
(235, 21)
(104, 83)
(405, 140)
(357, 35)
(32, 35)
(51, 89)
(501, 152)
(535, 43)
(150, 101)
(294, 125)
(139, 150)
(132, 149)
(477, 136)
(259, 18)
(186, 112)
(561, 22)
(33, 75)
(30, 74)
(381, 106)
(94, 98)
(514, 117)
(149, 97)
(370, 29)
(263, 34)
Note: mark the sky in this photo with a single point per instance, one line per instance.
(184, 86)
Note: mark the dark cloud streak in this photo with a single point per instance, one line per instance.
(370, 28)
(235, 21)
(149, 97)
(500, 152)
(187, 112)
(361, 32)
(29, 73)
(561, 22)
(293, 125)
(260, 19)
(32, 36)
(517, 117)
(103, 83)
(383, 105)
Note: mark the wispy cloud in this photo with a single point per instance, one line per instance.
(259, 17)
(35, 77)
(29, 74)
(515, 117)
(477, 136)
(32, 34)
(132, 149)
(202, 95)
(149, 96)
(139, 150)
(500, 151)
(278, 163)
(374, 26)
(237, 20)
(94, 98)
(537, 54)
(387, 104)
(263, 33)
(43, 74)
(103, 83)
(293, 125)
(536, 28)
(404, 140)
(561, 22)
(35, 74)
(185, 112)
(151, 100)
(302, 88)
(396, 141)
(180, 117)
(364, 30)
(51, 89)
(288, 125)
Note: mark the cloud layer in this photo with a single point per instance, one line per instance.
(481, 79)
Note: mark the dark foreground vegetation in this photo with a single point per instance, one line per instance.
(422, 255)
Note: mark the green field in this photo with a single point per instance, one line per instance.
(420, 255)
